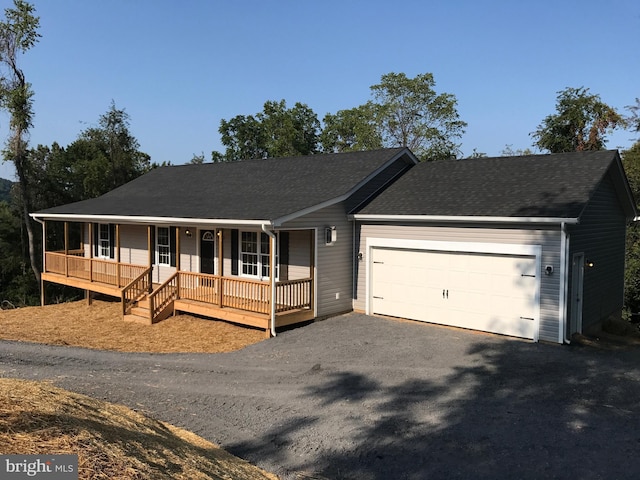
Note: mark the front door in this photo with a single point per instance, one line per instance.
(207, 251)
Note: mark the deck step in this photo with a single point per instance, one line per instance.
(140, 311)
(144, 302)
(137, 319)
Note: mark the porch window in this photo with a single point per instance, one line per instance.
(164, 246)
(104, 241)
(254, 255)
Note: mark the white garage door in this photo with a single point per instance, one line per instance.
(488, 292)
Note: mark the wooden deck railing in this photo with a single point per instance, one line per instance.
(135, 290)
(293, 295)
(92, 269)
(162, 296)
(240, 293)
(245, 294)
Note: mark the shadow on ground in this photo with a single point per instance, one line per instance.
(513, 410)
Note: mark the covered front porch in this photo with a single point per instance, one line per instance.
(149, 296)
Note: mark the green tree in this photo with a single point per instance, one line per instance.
(581, 122)
(631, 162)
(277, 131)
(350, 130)
(508, 151)
(103, 157)
(51, 179)
(5, 190)
(18, 34)
(633, 120)
(411, 114)
(197, 159)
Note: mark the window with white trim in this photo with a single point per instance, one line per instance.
(104, 240)
(164, 246)
(254, 255)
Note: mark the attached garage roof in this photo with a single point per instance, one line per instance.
(252, 190)
(555, 186)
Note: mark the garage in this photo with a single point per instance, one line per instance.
(491, 292)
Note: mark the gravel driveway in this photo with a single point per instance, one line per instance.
(358, 397)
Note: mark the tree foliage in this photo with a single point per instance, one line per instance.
(277, 131)
(631, 162)
(102, 158)
(5, 190)
(411, 114)
(350, 130)
(508, 151)
(403, 112)
(633, 120)
(581, 122)
(18, 34)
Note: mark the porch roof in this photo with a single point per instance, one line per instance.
(250, 191)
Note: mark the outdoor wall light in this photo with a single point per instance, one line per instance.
(360, 256)
(548, 270)
(589, 264)
(187, 232)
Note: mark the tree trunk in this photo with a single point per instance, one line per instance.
(19, 163)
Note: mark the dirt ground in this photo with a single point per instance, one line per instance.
(111, 441)
(100, 326)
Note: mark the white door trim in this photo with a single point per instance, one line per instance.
(458, 247)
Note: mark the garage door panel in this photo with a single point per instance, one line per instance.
(489, 292)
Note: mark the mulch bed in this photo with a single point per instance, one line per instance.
(100, 326)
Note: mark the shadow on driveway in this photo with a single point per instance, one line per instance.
(502, 408)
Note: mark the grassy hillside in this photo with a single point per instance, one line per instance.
(5, 188)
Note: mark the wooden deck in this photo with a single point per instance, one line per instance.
(233, 299)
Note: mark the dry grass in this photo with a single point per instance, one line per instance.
(111, 441)
(100, 326)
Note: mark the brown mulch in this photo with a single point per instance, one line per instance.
(111, 441)
(100, 326)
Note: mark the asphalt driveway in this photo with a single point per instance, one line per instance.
(357, 397)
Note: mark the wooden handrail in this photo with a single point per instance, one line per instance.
(162, 296)
(245, 294)
(134, 290)
(92, 269)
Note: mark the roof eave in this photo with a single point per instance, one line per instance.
(462, 219)
(146, 220)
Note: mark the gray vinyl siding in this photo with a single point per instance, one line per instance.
(334, 263)
(549, 239)
(300, 254)
(133, 244)
(601, 236)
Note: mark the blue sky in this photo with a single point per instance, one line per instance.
(179, 67)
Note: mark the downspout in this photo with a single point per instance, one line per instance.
(272, 278)
(564, 278)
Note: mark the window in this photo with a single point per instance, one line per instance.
(104, 241)
(254, 255)
(164, 246)
(249, 253)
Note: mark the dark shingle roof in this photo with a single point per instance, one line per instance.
(552, 186)
(248, 190)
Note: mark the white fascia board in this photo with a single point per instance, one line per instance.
(194, 222)
(467, 219)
